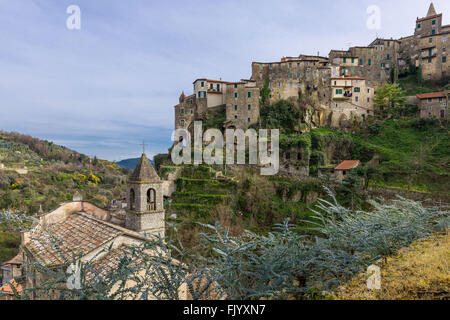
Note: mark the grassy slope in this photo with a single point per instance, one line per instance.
(418, 272)
(50, 182)
(411, 157)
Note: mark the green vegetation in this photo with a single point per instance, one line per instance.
(54, 175)
(411, 82)
(412, 154)
(390, 99)
(280, 265)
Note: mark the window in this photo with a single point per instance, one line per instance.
(444, 59)
(430, 40)
(290, 75)
(440, 99)
(433, 22)
(356, 99)
(249, 94)
(369, 51)
(338, 91)
(279, 84)
(202, 84)
(361, 62)
(388, 57)
(211, 86)
(191, 101)
(381, 57)
(345, 60)
(235, 85)
(353, 60)
(235, 108)
(430, 100)
(381, 48)
(433, 31)
(235, 117)
(353, 70)
(236, 95)
(376, 48)
(388, 43)
(182, 122)
(218, 87)
(182, 110)
(249, 107)
(357, 89)
(270, 66)
(368, 100)
(192, 111)
(248, 120)
(429, 60)
(383, 65)
(419, 26)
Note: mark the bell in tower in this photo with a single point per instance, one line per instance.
(145, 212)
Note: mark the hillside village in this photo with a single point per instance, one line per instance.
(406, 156)
(339, 88)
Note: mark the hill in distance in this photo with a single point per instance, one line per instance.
(131, 163)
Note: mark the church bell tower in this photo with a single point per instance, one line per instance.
(145, 211)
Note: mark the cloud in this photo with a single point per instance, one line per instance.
(118, 78)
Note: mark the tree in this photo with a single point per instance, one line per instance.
(265, 94)
(390, 99)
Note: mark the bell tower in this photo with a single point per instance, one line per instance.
(145, 211)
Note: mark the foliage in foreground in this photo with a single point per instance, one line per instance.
(281, 265)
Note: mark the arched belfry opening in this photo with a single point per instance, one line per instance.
(132, 199)
(151, 199)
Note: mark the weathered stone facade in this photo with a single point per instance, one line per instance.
(375, 64)
(434, 105)
(145, 212)
(433, 56)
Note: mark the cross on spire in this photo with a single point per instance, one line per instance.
(143, 144)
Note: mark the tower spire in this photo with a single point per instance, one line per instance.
(431, 10)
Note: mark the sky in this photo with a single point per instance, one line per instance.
(103, 89)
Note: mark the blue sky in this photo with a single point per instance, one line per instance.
(103, 89)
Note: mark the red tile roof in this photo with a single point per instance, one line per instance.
(431, 95)
(348, 78)
(7, 288)
(348, 164)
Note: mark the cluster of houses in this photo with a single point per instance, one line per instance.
(340, 88)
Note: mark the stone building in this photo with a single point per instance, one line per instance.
(375, 64)
(434, 55)
(434, 105)
(310, 74)
(90, 234)
(352, 100)
(239, 100)
(383, 58)
(145, 209)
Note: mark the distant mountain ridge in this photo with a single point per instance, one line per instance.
(131, 163)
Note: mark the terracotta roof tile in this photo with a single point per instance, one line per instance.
(78, 234)
(348, 164)
(7, 288)
(431, 95)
